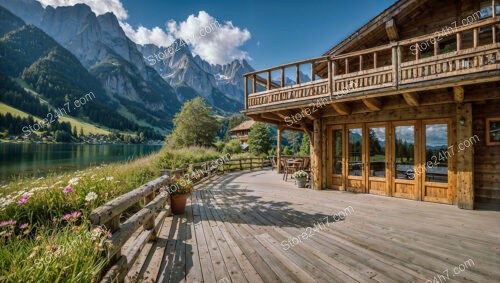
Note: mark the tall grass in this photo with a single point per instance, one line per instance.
(43, 245)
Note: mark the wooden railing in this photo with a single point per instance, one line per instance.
(377, 75)
(129, 236)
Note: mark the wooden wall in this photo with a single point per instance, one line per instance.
(486, 159)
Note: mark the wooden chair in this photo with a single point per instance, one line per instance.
(273, 162)
(290, 168)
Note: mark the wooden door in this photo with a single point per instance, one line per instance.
(404, 160)
(356, 159)
(377, 145)
(336, 157)
(437, 154)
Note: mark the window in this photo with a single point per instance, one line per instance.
(493, 131)
(486, 9)
(337, 152)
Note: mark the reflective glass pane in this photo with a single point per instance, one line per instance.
(405, 154)
(355, 150)
(436, 153)
(377, 152)
(337, 152)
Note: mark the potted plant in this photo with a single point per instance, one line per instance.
(180, 189)
(300, 178)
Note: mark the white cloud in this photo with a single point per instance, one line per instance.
(143, 35)
(214, 42)
(98, 6)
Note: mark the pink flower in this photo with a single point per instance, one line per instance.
(71, 216)
(68, 190)
(7, 223)
(24, 199)
(24, 226)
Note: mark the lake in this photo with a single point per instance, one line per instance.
(39, 159)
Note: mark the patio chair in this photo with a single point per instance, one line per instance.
(290, 168)
(273, 162)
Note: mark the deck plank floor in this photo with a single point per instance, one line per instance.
(236, 228)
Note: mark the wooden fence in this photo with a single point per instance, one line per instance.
(129, 236)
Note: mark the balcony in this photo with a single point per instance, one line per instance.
(463, 55)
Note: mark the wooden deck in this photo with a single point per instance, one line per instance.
(235, 228)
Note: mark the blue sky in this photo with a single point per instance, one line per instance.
(281, 31)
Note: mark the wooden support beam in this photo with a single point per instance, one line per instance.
(297, 74)
(436, 47)
(347, 65)
(417, 51)
(360, 63)
(282, 77)
(269, 81)
(411, 98)
(330, 76)
(459, 41)
(312, 72)
(476, 37)
(246, 93)
(278, 149)
(392, 30)
(316, 156)
(254, 84)
(465, 157)
(306, 130)
(375, 60)
(373, 104)
(311, 114)
(458, 93)
(342, 108)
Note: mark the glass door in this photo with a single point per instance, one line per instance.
(377, 159)
(335, 165)
(438, 152)
(404, 160)
(355, 159)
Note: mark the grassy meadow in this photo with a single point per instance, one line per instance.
(45, 233)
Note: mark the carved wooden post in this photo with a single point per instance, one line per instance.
(269, 80)
(375, 60)
(347, 65)
(312, 72)
(316, 155)
(465, 158)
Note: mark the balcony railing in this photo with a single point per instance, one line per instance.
(455, 52)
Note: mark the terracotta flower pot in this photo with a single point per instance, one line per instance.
(178, 203)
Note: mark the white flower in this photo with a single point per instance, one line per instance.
(110, 178)
(73, 181)
(91, 196)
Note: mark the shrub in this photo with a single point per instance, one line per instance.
(232, 147)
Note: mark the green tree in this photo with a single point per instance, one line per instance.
(81, 132)
(259, 139)
(287, 151)
(305, 146)
(194, 125)
(293, 140)
(232, 147)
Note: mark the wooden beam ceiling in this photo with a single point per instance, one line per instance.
(342, 108)
(374, 104)
(411, 98)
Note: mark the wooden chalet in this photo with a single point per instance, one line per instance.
(241, 131)
(407, 106)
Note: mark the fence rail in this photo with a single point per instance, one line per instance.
(130, 235)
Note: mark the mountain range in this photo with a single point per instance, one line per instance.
(62, 53)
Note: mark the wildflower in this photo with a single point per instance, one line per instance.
(71, 216)
(110, 178)
(24, 199)
(7, 234)
(53, 248)
(91, 196)
(24, 226)
(73, 181)
(7, 223)
(68, 190)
